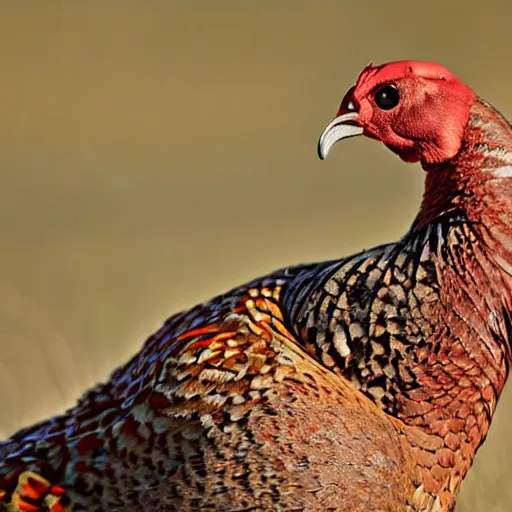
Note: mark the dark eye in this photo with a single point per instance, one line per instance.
(387, 97)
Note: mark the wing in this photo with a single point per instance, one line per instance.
(195, 363)
(221, 410)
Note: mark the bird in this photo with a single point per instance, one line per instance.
(365, 383)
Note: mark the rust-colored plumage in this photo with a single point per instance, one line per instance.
(362, 384)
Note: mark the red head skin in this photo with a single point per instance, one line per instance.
(428, 123)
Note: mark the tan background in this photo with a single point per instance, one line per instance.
(154, 154)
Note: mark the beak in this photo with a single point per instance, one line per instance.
(341, 127)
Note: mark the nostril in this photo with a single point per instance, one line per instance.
(347, 103)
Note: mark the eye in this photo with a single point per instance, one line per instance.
(387, 97)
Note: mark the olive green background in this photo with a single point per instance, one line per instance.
(154, 154)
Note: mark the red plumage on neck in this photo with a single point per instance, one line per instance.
(477, 181)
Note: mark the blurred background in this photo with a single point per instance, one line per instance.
(154, 154)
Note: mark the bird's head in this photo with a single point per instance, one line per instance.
(417, 109)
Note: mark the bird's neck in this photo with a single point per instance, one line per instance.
(473, 194)
(477, 182)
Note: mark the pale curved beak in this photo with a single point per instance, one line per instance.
(341, 127)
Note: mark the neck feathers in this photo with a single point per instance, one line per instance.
(477, 182)
(476, 186)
